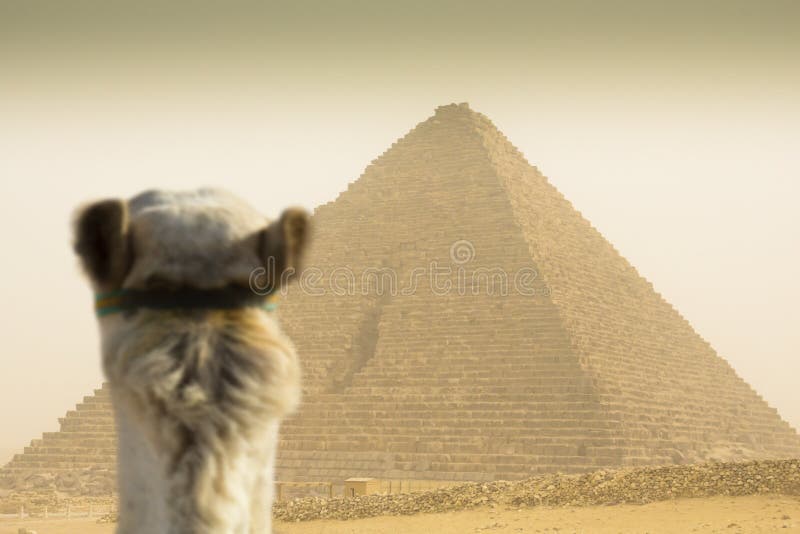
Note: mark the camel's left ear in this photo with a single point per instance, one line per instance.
(281, 246)
(101, 242)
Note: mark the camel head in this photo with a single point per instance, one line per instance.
(200, 373)
(203, 239)
(168, 267)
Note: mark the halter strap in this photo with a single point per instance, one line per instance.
(227, 298)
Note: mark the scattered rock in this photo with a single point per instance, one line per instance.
(636, 486)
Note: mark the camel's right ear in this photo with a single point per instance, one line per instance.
(101, 242)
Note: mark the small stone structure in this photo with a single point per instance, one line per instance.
(361, 486)
(584, 367)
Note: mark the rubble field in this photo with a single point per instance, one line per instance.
(606, 487)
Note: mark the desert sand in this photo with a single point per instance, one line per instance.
(753, 514)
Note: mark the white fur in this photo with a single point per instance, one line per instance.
(198, 398)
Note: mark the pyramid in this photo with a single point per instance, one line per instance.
(464, 322)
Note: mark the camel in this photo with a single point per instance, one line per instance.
(199, 371)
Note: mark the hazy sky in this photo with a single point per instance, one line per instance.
(672, 126)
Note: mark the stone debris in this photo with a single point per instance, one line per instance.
(606, 487)
(458, 497)
(107, 518)
(87, 482)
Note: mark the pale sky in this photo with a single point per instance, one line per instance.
(673, 129)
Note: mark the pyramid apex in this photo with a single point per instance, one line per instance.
(453, 108)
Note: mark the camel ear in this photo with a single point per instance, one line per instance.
(101, 242)
(281, 246)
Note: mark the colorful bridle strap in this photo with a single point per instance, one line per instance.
(228, 298)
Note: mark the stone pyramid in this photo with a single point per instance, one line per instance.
(462, 321)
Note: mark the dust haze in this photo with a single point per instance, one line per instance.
(672, 129)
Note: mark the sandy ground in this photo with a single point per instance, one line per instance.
(716, 514)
